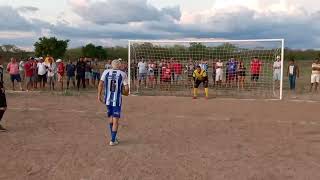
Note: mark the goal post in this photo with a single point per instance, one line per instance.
(247, 69)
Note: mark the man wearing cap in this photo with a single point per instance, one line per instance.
(61, 71)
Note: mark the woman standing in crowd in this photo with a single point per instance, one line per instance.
(52, 70)
(241, 74)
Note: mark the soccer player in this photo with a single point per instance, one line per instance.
(200, 76)
(276, 72)
(255, 67)
(114, 82)
(3, 101)
(219, 72)
(293, 73)
(315, 75)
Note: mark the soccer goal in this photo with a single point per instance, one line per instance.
(250, 69)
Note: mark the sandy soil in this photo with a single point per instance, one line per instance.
(65, 137)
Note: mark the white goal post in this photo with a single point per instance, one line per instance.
(240, 75)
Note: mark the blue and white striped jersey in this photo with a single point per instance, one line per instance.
(113, 81)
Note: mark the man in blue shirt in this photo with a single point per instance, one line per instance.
(231, 72)
(71, 72)
(114, 82)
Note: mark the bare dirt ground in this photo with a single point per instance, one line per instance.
(65, 137)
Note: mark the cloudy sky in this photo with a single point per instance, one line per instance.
(113, 22)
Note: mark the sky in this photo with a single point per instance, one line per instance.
(114, 22)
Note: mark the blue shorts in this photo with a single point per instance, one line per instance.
(16, 77)
(114, 111)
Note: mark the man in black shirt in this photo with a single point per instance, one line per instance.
(3, 101)
(80, 68)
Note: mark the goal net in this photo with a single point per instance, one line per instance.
(235, 68)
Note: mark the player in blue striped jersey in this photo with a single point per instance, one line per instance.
(114, 82)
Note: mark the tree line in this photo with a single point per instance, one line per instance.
(59, 49)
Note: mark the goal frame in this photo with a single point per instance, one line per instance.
(282, 41)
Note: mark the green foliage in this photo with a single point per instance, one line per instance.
(51, 46)
(93, 51)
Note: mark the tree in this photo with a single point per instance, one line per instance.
(93, 51)
(51, 46)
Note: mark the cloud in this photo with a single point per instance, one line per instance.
(115, 21)
(123, 11)
(24, 9)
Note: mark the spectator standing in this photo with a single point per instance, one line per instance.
(28, 66)
(88, 71)
(61, 71)
(277, 73)
(52, 73)
(13, 69)
(231, 72)
(315, 75)
(151, 74)
(95, 72)
(81, 70)
(241, 74)
(142, 70)
(21, 70)
(177, 68)
(255, 68)
(219, 72)
(42, 73)
(293, 73)
(71, 69)
(35, 72)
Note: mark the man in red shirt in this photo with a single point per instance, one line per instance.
(61, 70)
(29, 69)
(177, 68)
(166, 77)
(255, 68)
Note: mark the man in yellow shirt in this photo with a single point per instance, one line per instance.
(200, 76)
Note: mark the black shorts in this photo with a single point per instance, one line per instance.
(241, 73)
(3, 100)
(254, 77)
(198, 82)
(42, 78)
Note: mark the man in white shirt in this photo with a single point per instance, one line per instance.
(315, 75)
(219, 72)
(42, 73)
(277, 72)
(142, 76)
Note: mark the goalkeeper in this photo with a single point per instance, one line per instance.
(200, 76)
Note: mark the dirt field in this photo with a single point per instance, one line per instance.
(65, 137)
